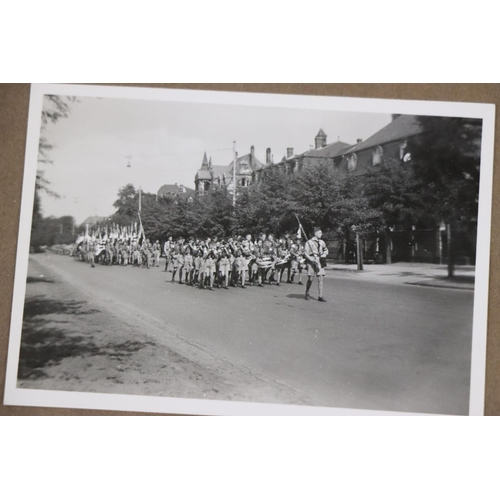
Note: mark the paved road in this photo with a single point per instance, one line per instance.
(374, 345)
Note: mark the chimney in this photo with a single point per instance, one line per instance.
(289, 152)
(268, 156)
(252, 151)
(359, 141)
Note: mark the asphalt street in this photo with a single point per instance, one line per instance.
(373, 345)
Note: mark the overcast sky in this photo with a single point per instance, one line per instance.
(166, 142)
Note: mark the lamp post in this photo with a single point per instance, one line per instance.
(234, 173)
(359, 250)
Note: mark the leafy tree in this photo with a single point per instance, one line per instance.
(217, 215)
(335, 202)
(127, 205)
(267, 207)
(394, 195)
(51, 231)
(446, 161)
(54, 108)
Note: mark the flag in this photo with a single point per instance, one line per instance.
(301, 229)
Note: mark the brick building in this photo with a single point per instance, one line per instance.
(387, 147)
(210, 177)
(422, 242)
(322, 154)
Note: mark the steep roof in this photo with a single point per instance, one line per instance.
(400, 128)
(220, 170)
(204, 163)
(203, 174)
(253, 164)
(321, 133)
(328, 151)
(174, 189)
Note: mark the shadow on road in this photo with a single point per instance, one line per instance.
(35, 279)
(39, 305)
(46, 346)
(402, 274)
(457, 279)
(45, 342)
(296, 296)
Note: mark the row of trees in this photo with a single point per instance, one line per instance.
(441, 183)
(48, 231)
(317, 197)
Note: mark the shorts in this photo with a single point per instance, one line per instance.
(224, 267)
(312, 272)
(241, 265)
(209, 266)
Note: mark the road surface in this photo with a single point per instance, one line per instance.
(380, 346)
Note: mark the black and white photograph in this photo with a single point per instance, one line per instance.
(225, 253)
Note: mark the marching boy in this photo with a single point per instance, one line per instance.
(315, 252)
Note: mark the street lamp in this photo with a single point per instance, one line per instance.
(359, 250)
(234, 173)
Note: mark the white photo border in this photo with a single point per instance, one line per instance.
(66, 399)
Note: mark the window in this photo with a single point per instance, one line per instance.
(404, 154)
(352, 162)
(378, 155)
(402, 148)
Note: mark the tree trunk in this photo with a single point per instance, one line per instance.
(451, 256)
(359, 253)
(388, 246)
(346, 253)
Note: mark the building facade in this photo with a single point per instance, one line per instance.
(322, 155)
(210, 177)
(387, 148)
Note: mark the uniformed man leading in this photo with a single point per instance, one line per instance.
(315, 252)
